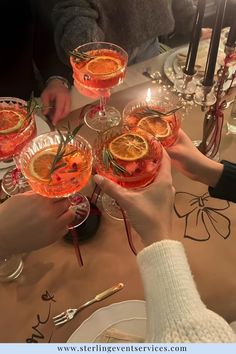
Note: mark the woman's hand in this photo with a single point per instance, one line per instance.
(149, 209)
(29, 221)
(57, 101)
(188, 160)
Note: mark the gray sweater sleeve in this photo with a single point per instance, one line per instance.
(75, 23)
(183, 12)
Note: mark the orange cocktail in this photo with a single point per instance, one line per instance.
(97, 68)
(130, 158)
(158, 117)
(53, 171)
(17, 127)
(104, 69)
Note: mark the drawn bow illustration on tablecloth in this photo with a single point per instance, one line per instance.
(203, 216)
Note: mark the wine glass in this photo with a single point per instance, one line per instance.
(58, 165)
(97, 68)
(17, 128)
(158, 116)
(129, 157)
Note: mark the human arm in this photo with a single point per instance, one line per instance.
(75, 23)
(220, 177)
(29, 222)
(183, 12)
(174, 308)
(55, 75)
(175, 312)
(187, 159)
(56, 100)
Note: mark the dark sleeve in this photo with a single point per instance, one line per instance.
(45, 54)
(226, 187)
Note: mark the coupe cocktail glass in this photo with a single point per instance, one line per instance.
(97, 68)
(129, 157)
(59, 178)
(158, 116)
(17, 128)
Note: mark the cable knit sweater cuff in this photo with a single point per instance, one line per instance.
(166, 276)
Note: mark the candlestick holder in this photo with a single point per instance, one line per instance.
(186, 84)
(214, 99)
(205, 95)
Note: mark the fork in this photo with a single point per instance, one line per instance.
(69, 314)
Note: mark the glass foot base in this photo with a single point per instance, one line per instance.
(111, 207)
(13, 182)
(96, 121)
(10, 268)
(81, 207)
(88, 228)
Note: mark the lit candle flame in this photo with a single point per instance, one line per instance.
(148, 95)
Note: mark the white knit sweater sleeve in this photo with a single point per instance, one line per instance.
(175, 312)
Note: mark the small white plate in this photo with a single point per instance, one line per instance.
(127, 316)
(42, 127)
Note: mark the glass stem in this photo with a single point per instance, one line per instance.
(102, 106)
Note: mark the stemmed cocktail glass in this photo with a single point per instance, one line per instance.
(58, 165)
(129, 157)
(158, 116)
(17, 128)
(97, 68)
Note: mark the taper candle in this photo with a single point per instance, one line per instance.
(231, 40)
(195, 37)
(214, 45)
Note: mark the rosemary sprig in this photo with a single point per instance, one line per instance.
(151, 112)
(65, 139)
(33, 106)
(80, 56)
(109, 161)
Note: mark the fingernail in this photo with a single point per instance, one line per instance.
(98, 179)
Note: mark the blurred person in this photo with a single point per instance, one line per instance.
(28, 60)
(210, 11)
(135, 25)
(29, 221)
(175, 312)
(220, 177)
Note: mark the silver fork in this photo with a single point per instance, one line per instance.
(67, 315)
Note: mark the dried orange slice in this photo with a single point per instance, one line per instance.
(10, 121)
(157, 126)
(41, 164)
(129, 147)
(103, 65)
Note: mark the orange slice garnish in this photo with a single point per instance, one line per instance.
(128, 147)
(41, 164)
(156, 126)
(103, 65)
(10, 121)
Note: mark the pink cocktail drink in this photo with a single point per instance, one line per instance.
(158, 117)
(17, 128)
